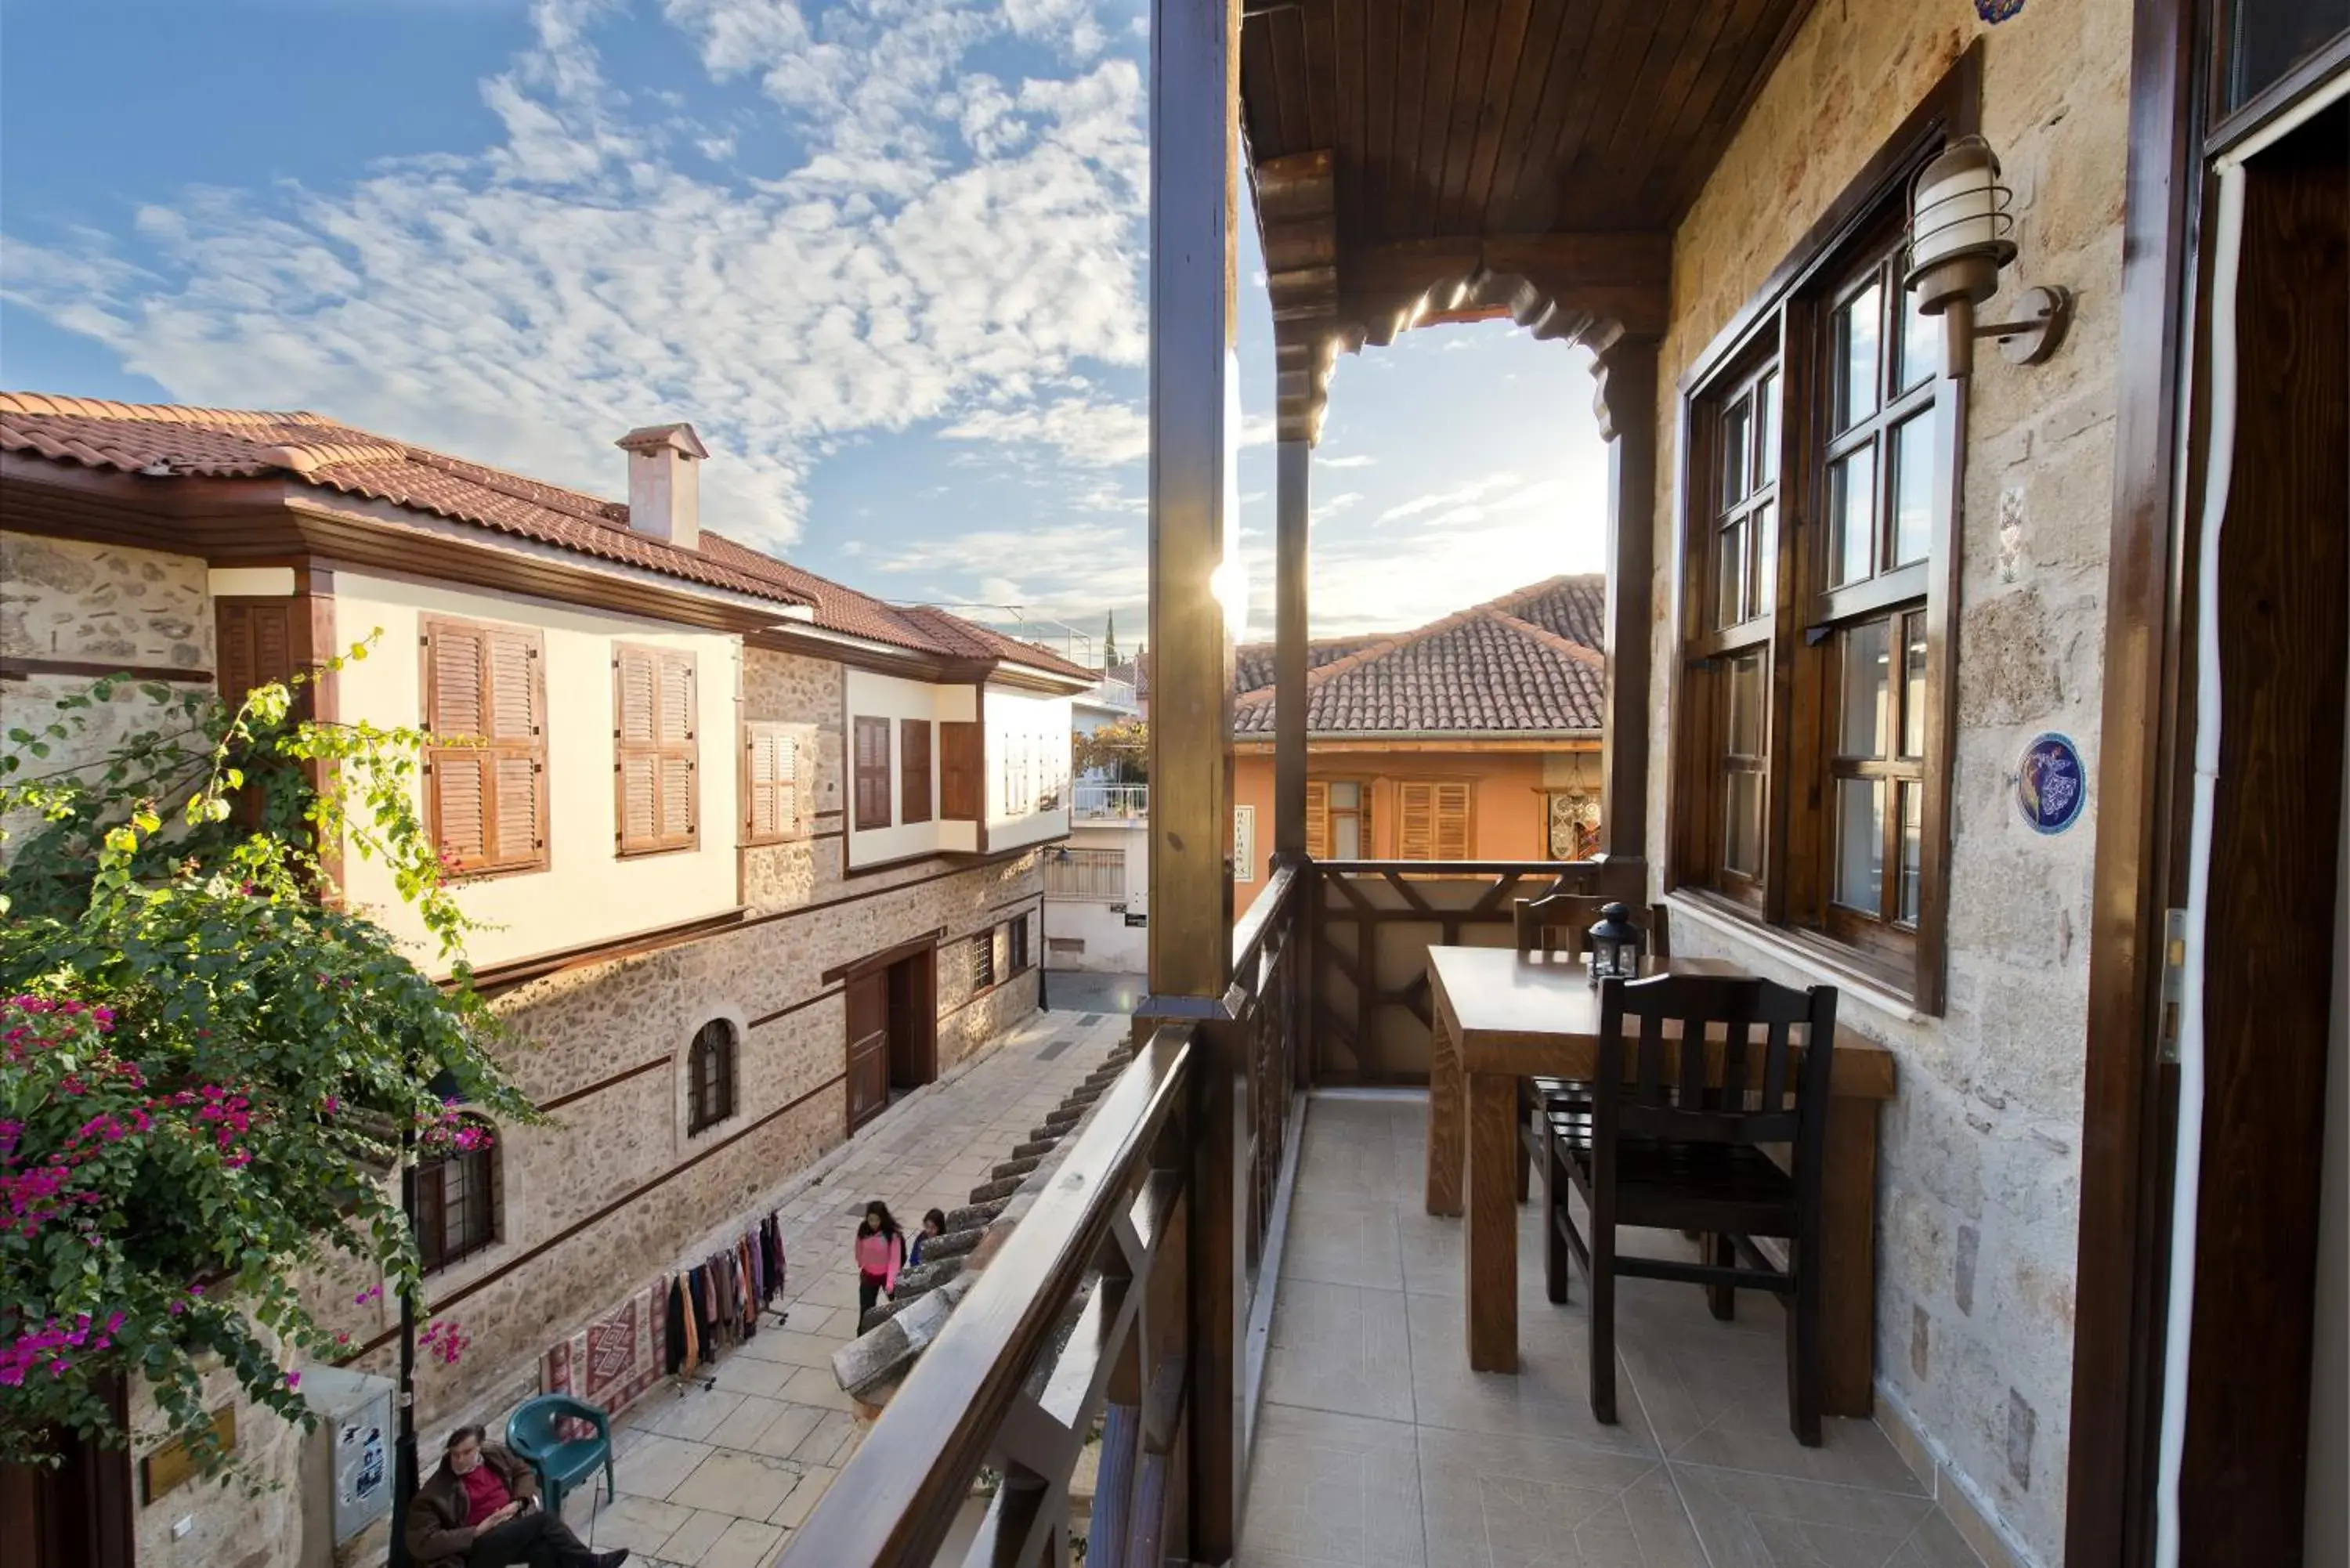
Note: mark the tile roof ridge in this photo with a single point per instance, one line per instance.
(1546, 638)
(1379, 648)
(506, 482)
(64, 405)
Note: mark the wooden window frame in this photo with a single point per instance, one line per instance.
(867, 807)
(1018, 958)
(1320, 817)
(1789, 325)
(687, 751)
(914, 771)
(436, 755)
(485, 1174)
(785, 785)
(711, 1062)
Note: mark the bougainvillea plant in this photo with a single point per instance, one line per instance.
(209, 1062)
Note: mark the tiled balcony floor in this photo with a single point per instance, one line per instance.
(1378, 1446)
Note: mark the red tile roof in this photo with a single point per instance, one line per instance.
(170, 441)
(1497, 670)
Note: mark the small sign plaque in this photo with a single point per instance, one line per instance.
(1134, 919)
(2051, 785)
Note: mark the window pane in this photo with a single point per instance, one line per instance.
(1746, 706)
(1867, 690)
(1852, 504)
(1346, 797)
(1913, 839)
(1856, 356)
(1737, 441)
(1766, 430)
(2266, 38)
(1741, 835)
(1345, 836)
(1860, 843)
(1913, 682)
(1921, 342)
(1913, 490)
(1766, 558)
(1729, 575)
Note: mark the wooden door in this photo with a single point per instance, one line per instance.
(77, 1515)
(869, 1047)
(913, 1021)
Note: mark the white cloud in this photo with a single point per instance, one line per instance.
(1467, 493)
(1084, 431)
(946, 247)
(1358, 460)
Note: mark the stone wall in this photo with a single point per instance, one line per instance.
(1980, 1154)
(71, 602)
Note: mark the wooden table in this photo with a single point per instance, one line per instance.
(1500, 1017)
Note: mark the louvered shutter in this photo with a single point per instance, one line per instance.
(1415, 821)
(960, 760)
(872, 775)
(1451, 807)
(486, 767)
(1317, 820)
(654, 766)
(770, 783)
(913, 770)
(256, 643)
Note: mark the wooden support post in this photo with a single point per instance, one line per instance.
(1626, 404)
(1194, 130)
(1295, 462)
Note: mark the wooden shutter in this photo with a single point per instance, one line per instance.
(913, 770)
(1318, 819)
(256, 643)
(771, 808)
(1431, 821)
(871, 773)
(485, 769)
(961, 758)
(654, 766)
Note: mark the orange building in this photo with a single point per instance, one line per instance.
(1475, 738)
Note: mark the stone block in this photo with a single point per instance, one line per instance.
(1019, 1167)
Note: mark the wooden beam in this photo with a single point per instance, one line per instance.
(1194, 166)
(1627, 369)
(1292, 474)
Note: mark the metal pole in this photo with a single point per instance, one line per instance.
(1294, 459)
(403, 1465)
(1044, 950)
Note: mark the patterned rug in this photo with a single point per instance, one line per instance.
(609, 1363)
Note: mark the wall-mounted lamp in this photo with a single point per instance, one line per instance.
(1959, 240)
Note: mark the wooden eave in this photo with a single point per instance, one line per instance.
(1459, 160)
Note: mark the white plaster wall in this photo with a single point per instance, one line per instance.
(1032, 732)
(876, 696)
(1112, 947)
(588, 893)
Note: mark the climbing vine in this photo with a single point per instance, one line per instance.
(209, 1062)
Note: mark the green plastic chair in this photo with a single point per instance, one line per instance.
(535, 1433)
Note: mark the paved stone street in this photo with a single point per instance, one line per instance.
(719, 1478)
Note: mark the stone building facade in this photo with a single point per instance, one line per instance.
(606, 963)
(1980, 1152)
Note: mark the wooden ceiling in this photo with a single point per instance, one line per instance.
(1419, 160)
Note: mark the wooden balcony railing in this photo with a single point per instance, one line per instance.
(1372, 923)
(1118, 1306)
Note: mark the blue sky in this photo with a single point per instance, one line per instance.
(888, 255)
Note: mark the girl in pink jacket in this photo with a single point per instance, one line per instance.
(880, 1254)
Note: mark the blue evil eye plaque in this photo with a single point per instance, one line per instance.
(2052, 786)
(1997, 11)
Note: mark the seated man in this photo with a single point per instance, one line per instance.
(480, 1509)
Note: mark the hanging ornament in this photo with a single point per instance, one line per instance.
(1997, 11)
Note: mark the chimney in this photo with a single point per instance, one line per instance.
(664, 485)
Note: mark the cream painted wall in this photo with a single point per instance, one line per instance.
(588, 893)
(874, 696)
(1026, 734)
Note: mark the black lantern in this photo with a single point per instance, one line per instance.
(1615, 945)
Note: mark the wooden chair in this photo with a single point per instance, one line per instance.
(1540, 924)
(1675, 1149)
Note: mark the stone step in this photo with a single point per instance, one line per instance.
(1020, 1166)
(1066, 1117)
(928, 1277)
(978, 1213)
(987, 1192)
(1039, 1142)
(953, 1244)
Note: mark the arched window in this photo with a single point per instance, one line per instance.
(710, 1076)
(457, 1200)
